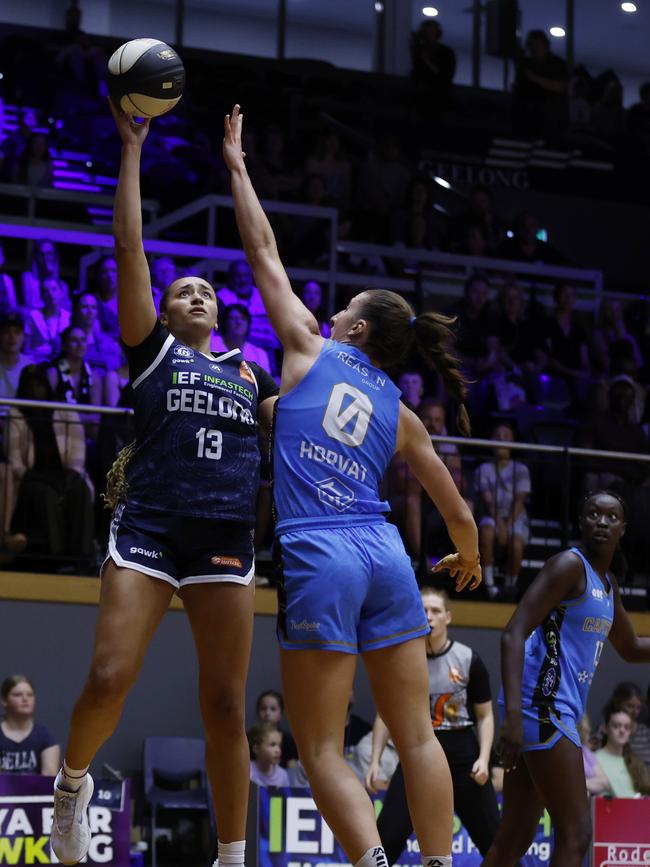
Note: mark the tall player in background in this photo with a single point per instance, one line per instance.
(348, 586)
(184, 496)
(550, 650)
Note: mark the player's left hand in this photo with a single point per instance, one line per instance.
(233, 154)
(463, 571)
(480, 772)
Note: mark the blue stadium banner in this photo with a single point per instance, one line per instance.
(292, 834)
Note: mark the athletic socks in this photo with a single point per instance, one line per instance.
(436, 861)
(375, 857)
(231, 854)
(488, 576)
(72, 779)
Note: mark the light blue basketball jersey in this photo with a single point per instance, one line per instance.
(334, 436)
(562, 654)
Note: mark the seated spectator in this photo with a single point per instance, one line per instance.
(269, 708)
(416, 225)
(540, 89)
(107, 296)
(475, 325)
(525, 246)
(480, 218)
(433, 415)
(330, 162)
(434, 65)
(638, 116)
(45, 326)
(411, 384)
(44, 264)
(46, 452)
(473, 241)
(240, 290)
(597, 782)
(611, 328)
(34, 166)
(234, 328)
(26, 747)
(383, 179)
(626, 774)
(265, 741)
(627, 696)
(103, 353)
(12, 357)
(8, 299)
(520, 346)
(312, 298)
(566, 341)
(70, 377)
(503, 488)
(163, 272)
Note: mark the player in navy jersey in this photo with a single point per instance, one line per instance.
(550, 651)
(183, 523)
(348, 586)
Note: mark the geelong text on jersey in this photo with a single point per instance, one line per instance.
(207, 403)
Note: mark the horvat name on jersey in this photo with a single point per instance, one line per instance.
(313, 452)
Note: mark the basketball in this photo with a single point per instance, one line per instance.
(145, 77)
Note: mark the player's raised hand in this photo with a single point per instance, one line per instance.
(132, 132)
(464, 571)
(233, 154)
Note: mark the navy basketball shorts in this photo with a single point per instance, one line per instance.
(350, 589)
(180, 549)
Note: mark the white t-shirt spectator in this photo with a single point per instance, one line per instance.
(504, 483)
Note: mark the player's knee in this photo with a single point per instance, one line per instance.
(314, 754)
(108, 682)
(222, 713)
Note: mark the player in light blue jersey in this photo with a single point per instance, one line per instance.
(550, 651)
(182, 522)
(348, 586)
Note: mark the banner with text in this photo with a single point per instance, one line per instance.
(26, 821)
(621, 835)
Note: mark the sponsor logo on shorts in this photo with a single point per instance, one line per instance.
(235, 562)
(305, 625)
(549, 682)
(184, 352)
(154, 555)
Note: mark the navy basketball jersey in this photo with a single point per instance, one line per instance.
(334, 435)
(196, 448)
(562, 654)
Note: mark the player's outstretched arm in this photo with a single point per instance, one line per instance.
(293, 323)
(414, 444)
(629, 646)
(136, 310)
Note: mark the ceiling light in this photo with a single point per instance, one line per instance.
(558, 32)
(379, 7)
(628, 7)
(442, 182)
(430, 11)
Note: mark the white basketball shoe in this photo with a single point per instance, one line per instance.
(70, 837)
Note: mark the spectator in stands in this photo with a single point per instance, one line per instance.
(269, 708)
(103, 353)
(71, 378)
(46, 451)
(434, 65)
(45, 326)
(627, 775)
(362, 759)
(411, 384)
(608, 114)
(638, 116)
(107, 296)
(611, 329)
(526, 246)
(519, 345)
(312, 298)
(265, 741)
(26, 747)
(567, 348)
(613, 431)
(234, 328)
(433, 415)
(12, 357)
(163, 272)
(628, 697)
(309, 239)
(240, 290)
(473, 241)
(330, 162)
(475, 325)
(415, 225)
(479, 220)
(503, 487)
(540, 90)
(8, 299)
(597, 782)
(44, 264)
(383, 179)
(34, 166)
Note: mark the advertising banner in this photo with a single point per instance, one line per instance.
(292, 834)
(26, 820)
(621, 832)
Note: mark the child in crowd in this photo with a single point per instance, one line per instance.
(266, 745)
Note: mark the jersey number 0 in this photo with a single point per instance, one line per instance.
(348, 425)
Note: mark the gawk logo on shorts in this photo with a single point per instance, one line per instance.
(155, 555)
